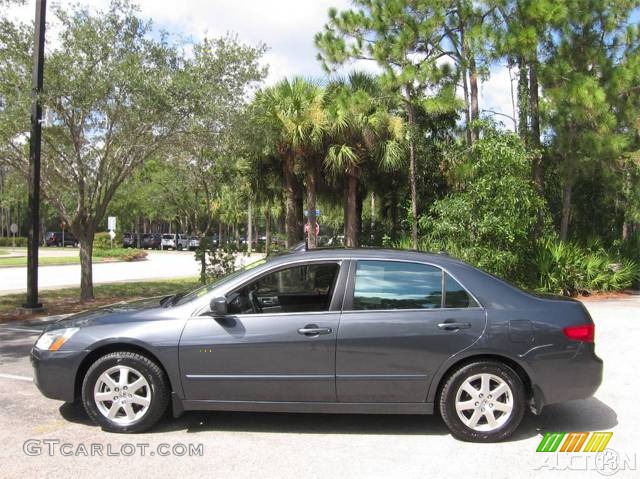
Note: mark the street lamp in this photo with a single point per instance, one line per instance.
(35, 141)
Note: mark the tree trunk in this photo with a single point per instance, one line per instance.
(351, 236)
(293, 213)
(566, 210)
(345, 206)
(373, 216)
(465, 80)
(359, 206)
(219, 234)
(267, 233)
(412, 175)
(249, 228)
(523, 101)
(475, 108)
(534, 113)
(310, 180)
(86, 265)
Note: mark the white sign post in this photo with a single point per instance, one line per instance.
(14, 230)
(111, 226)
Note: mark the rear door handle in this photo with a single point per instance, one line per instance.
(314, 331)
(452, 326)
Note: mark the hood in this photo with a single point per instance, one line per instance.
(139, 310)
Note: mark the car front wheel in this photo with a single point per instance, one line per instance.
(483, 401)
(125, 392)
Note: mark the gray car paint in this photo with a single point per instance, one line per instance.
(388, 361)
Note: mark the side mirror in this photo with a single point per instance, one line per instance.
(219, 307)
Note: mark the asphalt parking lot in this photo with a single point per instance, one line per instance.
(306, 445)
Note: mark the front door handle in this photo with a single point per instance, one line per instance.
(309, 331)
(453, 326)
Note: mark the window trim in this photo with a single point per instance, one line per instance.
(338, 287)
(347, 304)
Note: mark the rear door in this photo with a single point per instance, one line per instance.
(401, 320)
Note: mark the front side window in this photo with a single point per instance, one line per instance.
(397, 285)
(298, 289)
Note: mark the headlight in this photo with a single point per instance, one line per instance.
(53, 340)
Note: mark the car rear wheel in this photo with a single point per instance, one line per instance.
(125, 392)
(483, 401)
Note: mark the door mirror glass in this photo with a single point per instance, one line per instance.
(219, 307)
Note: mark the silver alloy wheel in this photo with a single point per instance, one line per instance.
(122, 395)
(484, 402)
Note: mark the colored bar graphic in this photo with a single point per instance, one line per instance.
(598, 441)
(550, 442)
(573, 441)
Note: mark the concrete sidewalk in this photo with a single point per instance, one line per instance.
(159, 265)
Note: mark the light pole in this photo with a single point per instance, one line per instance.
(34, 158)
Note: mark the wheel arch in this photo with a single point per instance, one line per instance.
(447, 370)
(105, 349)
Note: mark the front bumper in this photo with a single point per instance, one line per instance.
(54, 373)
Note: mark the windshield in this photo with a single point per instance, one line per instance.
(207, 288)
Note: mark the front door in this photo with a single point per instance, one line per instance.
(401, 321)
(277, 343)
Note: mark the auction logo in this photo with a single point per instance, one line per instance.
(583, 451)
(574, 442)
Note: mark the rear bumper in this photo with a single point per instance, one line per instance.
(576, 378)
(54, 373)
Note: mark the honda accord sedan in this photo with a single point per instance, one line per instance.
(329, 331)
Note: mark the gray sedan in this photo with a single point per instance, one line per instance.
(329, 331)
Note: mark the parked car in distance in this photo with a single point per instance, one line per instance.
(329, 331)
(182, 242)
(130, 240)
(151, 241)
(54, 238)
(168, 241)
(194, 243)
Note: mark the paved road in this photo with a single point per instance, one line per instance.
(250, 445)
(159, 265)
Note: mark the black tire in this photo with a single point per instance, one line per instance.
(179, 247)
(154, 375)
(447, 400)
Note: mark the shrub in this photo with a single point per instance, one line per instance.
(124, 254)
(103, 241)
(491, 220)
(215, 262)
(21, 241)
(570, 269)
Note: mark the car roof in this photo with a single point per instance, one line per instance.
(365, 253)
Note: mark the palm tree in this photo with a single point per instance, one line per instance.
(294, 109)
(363, 133)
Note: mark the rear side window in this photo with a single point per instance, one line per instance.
(397, 285)
(455, 295)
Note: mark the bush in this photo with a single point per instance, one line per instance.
(570, 269)
(491, 221)
(103, 241)
(215, 262)
(124, 254)
(21, 241)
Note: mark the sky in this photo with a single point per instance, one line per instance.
(287, 27)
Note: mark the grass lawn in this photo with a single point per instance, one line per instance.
(62, 301)
(45, 261)
(3, 252)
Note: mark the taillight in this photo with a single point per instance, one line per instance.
(583, 332)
